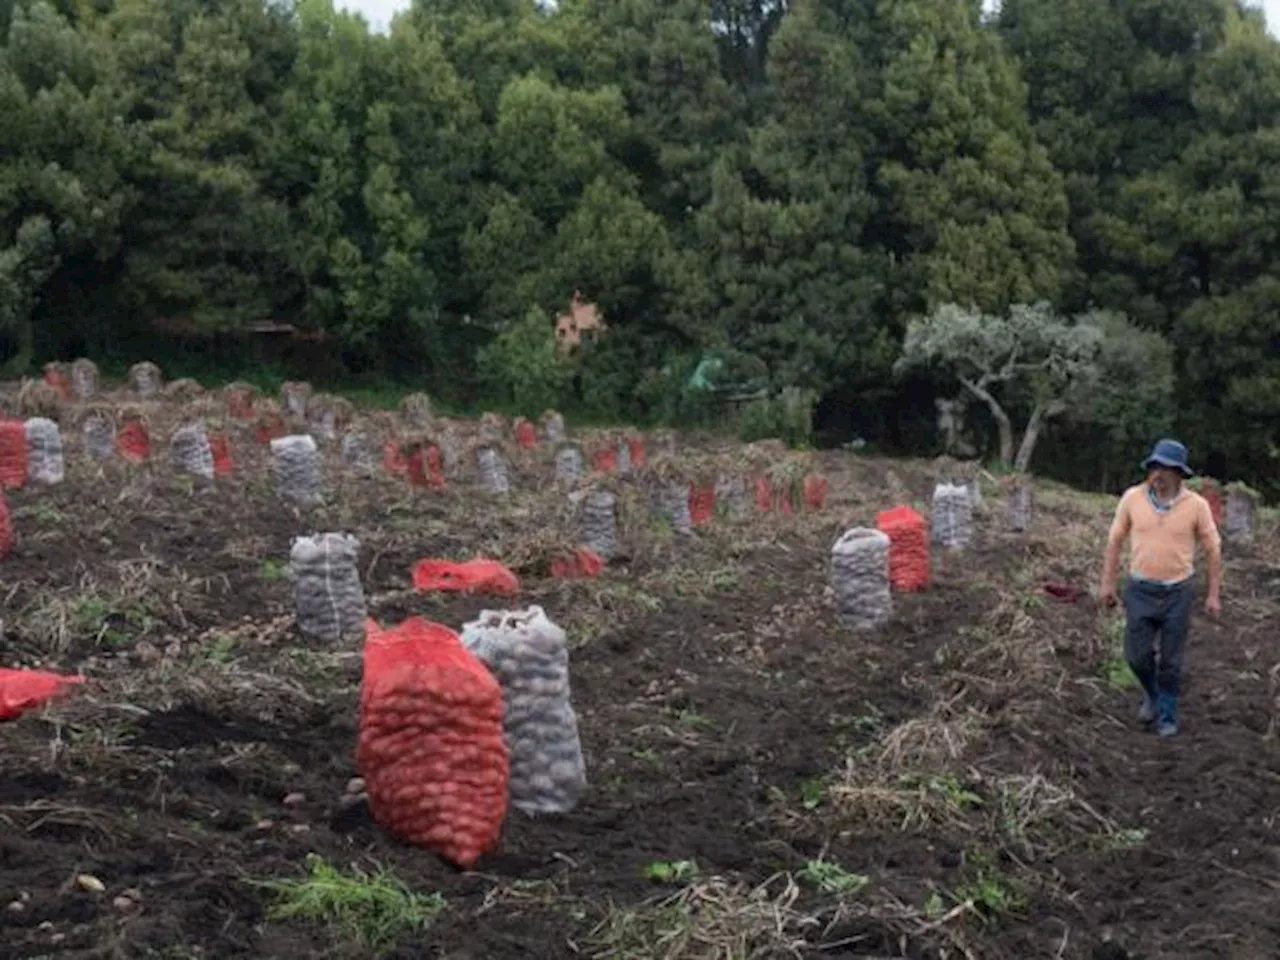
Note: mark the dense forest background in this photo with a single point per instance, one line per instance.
(781, 184)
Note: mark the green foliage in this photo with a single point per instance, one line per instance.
(786, 416)
(795, 181)
(523, 367)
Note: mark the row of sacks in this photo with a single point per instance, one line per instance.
(456, 729)
(32, 450)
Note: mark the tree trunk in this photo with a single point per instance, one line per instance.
(1035, 425)
(1003, 424)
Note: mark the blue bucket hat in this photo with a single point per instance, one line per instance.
(1171, 454)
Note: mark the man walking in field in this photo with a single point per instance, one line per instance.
(1162, 519)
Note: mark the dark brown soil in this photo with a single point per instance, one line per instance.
(708, 706)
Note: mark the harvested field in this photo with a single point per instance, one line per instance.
(965, 782)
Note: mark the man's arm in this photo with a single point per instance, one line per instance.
(1211, 541)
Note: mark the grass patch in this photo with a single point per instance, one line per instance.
(375, 910)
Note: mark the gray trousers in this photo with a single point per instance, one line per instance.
(1157, 612)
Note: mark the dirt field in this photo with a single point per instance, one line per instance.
(968, 781)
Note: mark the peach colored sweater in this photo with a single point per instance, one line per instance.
(1162, 545)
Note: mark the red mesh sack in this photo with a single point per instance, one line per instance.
(471, 576)
(764, 494)
(23, 690)
(526, 434)
(425, 466)
(134, 442)
(815, 492)
(220, 447)
(13, 454)
(269, 427)
(605, 461)
(702, 503)
(6, 527)
(393, 459)
(431, 747)
(638, 457)
(583, 563)
(58, 380)
(908, 548)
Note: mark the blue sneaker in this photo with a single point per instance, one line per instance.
(1168, 715)
(1147, 712)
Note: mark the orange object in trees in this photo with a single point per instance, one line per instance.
(23, 690)
(13, 454)
(908, 548)
(431, 748)
(471, 576)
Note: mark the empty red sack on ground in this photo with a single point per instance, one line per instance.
(582, 563)
(23, 690)
(134, 442)
(431, 747)
(13, 454)
(469, 576)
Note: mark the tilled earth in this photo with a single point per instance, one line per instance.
(967, 781)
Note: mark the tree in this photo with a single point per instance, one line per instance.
(1029, 352)
(523, 365)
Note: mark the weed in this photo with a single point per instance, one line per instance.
(373, 909)
(274, 569)
(665, 871)
(832, 878)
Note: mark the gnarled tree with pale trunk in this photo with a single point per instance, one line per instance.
(1030, 356)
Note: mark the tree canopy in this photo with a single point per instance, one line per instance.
(804, 187)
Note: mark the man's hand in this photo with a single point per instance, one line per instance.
(1213, 604)
(1107, 594)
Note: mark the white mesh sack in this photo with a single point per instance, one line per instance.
(297, 468)
(623, 459)
(734, 493)
(146, 379)
(84, 379)
(327, 594)
(324, 424)
(598, 524)
(190, 451)
(493, 470)
(1241, 508)
(297, 395)
(355, 451)
(44, 451)
(952, 516)
(570, 465)
(671, 501)
(528, 655)
(1019, 505)
(860, 578)
(99, 437)
(553, 430)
